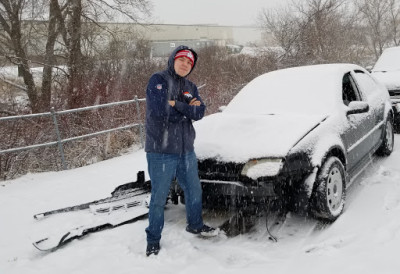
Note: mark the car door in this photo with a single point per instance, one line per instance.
(356, 134)
(373, 93)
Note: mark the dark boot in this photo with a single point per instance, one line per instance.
(205, 231)
(152, 249)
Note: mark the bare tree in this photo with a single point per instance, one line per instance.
(49, 58)
(64, 24)
(90, 12)
(375, 13)
(10, 20)
(75, 62)
(283, 24)
(394, 21)
(381, 19)
(315, 31)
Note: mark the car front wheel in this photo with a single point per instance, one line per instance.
(328, 198)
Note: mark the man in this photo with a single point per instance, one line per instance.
(172, 102)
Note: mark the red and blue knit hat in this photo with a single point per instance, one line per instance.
(185, 53)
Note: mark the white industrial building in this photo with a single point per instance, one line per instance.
(163, 37)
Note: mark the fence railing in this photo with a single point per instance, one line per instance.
(60, 141)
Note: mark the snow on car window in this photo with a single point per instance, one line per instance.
(367, 84)
(309, 90)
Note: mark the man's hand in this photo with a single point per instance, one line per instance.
(194, 102)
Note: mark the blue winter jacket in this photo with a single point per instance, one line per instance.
(169, 129)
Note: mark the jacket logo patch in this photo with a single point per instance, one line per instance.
(159, 87)
(187, 96)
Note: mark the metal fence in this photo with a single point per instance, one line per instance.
(60, 141)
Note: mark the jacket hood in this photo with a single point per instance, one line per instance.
(171, 59)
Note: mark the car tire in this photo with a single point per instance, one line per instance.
(386, 147)
(328, 197)
(396, 122)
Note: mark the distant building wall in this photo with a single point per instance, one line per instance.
(245, 36)
(164, 48)
(164, 37)
(186, 32)
(220, 35)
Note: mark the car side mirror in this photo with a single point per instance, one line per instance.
(369, 68)
(356, 107)
(221, 108)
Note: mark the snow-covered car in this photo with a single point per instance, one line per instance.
(298, 135)
(387, 71)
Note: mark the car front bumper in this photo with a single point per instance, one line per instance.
(238, 189)
(222, 180)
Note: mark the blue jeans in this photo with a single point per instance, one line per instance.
(163, 168)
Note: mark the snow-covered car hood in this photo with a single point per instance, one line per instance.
(390, 79)
(241, 137)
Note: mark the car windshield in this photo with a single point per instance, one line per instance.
(309, 90)
(389, 60)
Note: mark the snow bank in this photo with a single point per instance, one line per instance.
(364, 240)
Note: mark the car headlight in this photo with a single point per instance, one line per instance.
(262, 167)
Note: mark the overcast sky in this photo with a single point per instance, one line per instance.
(221, 12)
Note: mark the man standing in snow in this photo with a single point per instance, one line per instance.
(172, 102)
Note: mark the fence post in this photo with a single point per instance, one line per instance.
(140, 124)
(60, 145)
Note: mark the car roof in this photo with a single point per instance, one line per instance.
(389, 60)
(314, 89)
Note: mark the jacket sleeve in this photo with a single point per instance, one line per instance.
(192, 112)
(157, 101)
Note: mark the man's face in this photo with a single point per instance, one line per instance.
(182, 66)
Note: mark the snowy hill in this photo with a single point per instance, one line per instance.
(365, 239)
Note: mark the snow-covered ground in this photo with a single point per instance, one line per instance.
(365, 239)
